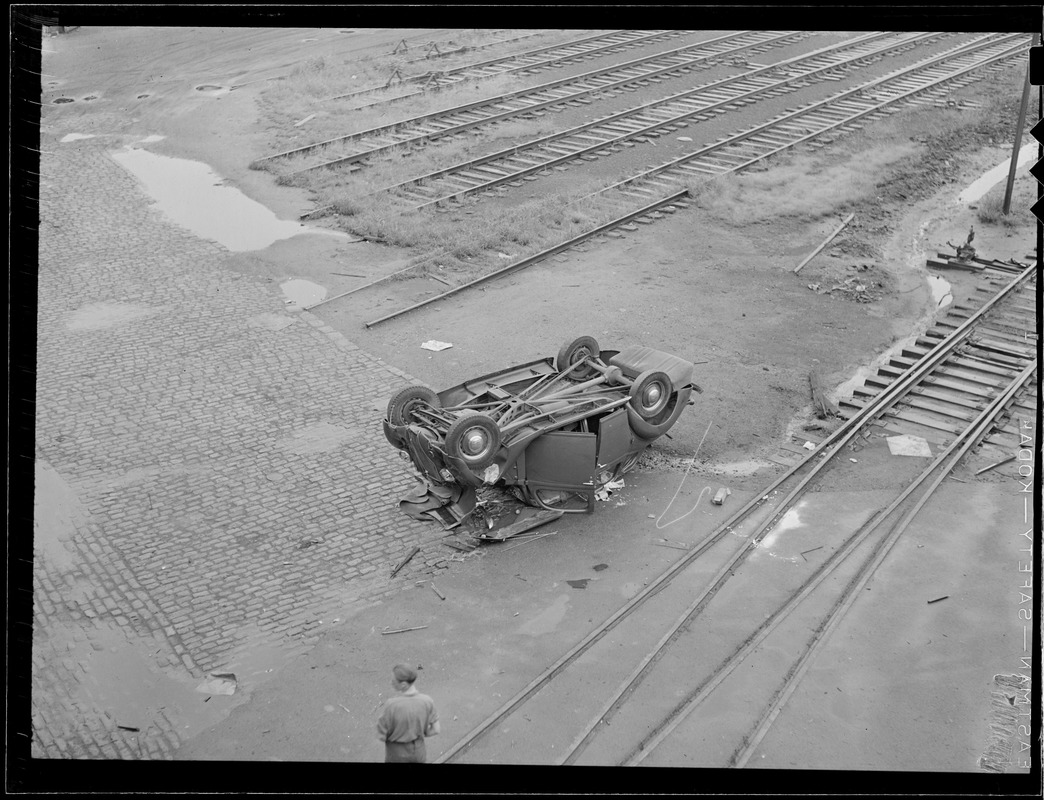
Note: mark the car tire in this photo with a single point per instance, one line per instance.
(474, 439)
(575, 351)
(650, 393)
(405, 400)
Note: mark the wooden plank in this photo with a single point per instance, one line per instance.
(823, 405)
(925, 421)
(938, 407)
(978, 373)
(954, 374)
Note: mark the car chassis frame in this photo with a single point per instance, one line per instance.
(567, 424)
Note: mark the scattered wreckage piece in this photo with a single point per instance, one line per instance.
(826, 241)
(552, 430)
(824, 406)
(525, 521)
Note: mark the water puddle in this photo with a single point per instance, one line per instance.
(547, 620)
(301, 293)
(58, 515)
(107, 314)
(940, 287)
(999, 173)
(75, 137)
(133, 693)
(789, 521)
(193, 196)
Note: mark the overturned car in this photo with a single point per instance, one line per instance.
(548, 430)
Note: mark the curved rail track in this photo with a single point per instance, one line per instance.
(649, 714)
(574, 89)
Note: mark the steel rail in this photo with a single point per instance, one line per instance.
(955, 53)
(472, 47)
(533, 259)
(520, 94)
(536, 51)
(841, 608)
(943, 461)
(392, 126)
(848, 429)
(628, 686)
(730, 162)
(680, 98)
(507, 153)
(961, 51)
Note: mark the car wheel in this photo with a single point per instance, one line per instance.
(406, 400)
(473, 439)
(576, 351)
(650, 393)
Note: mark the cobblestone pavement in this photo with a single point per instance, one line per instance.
(229, 486)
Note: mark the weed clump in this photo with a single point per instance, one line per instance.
(991, 207)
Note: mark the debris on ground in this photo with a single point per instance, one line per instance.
(405, 560)
(524, 520)
(907, 445)
(464, 547)
(531, 537)
(824, 406)
(435, 589)
(607, 489)
(720, 495)
(937, 599)
(826, 241)
(671, 543)
(219, 683)
(965, 252)
(387, 632)
(991, 466)
(432, 344)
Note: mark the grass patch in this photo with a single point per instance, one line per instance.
(991, 206)
(467, 241)
(801, 187)
(310, 85)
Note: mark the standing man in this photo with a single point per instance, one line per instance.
(406, 719)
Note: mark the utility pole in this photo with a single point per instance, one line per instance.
(1018, 140)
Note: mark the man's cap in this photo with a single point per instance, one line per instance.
(404, 673)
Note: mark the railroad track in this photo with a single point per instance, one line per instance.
(530, 61)
(432, 50)
(929, 80)
(845, 111)
(973, 375)
(790, 609)
(606, 135)
(577, 89)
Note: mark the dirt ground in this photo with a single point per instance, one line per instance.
(713, 282)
